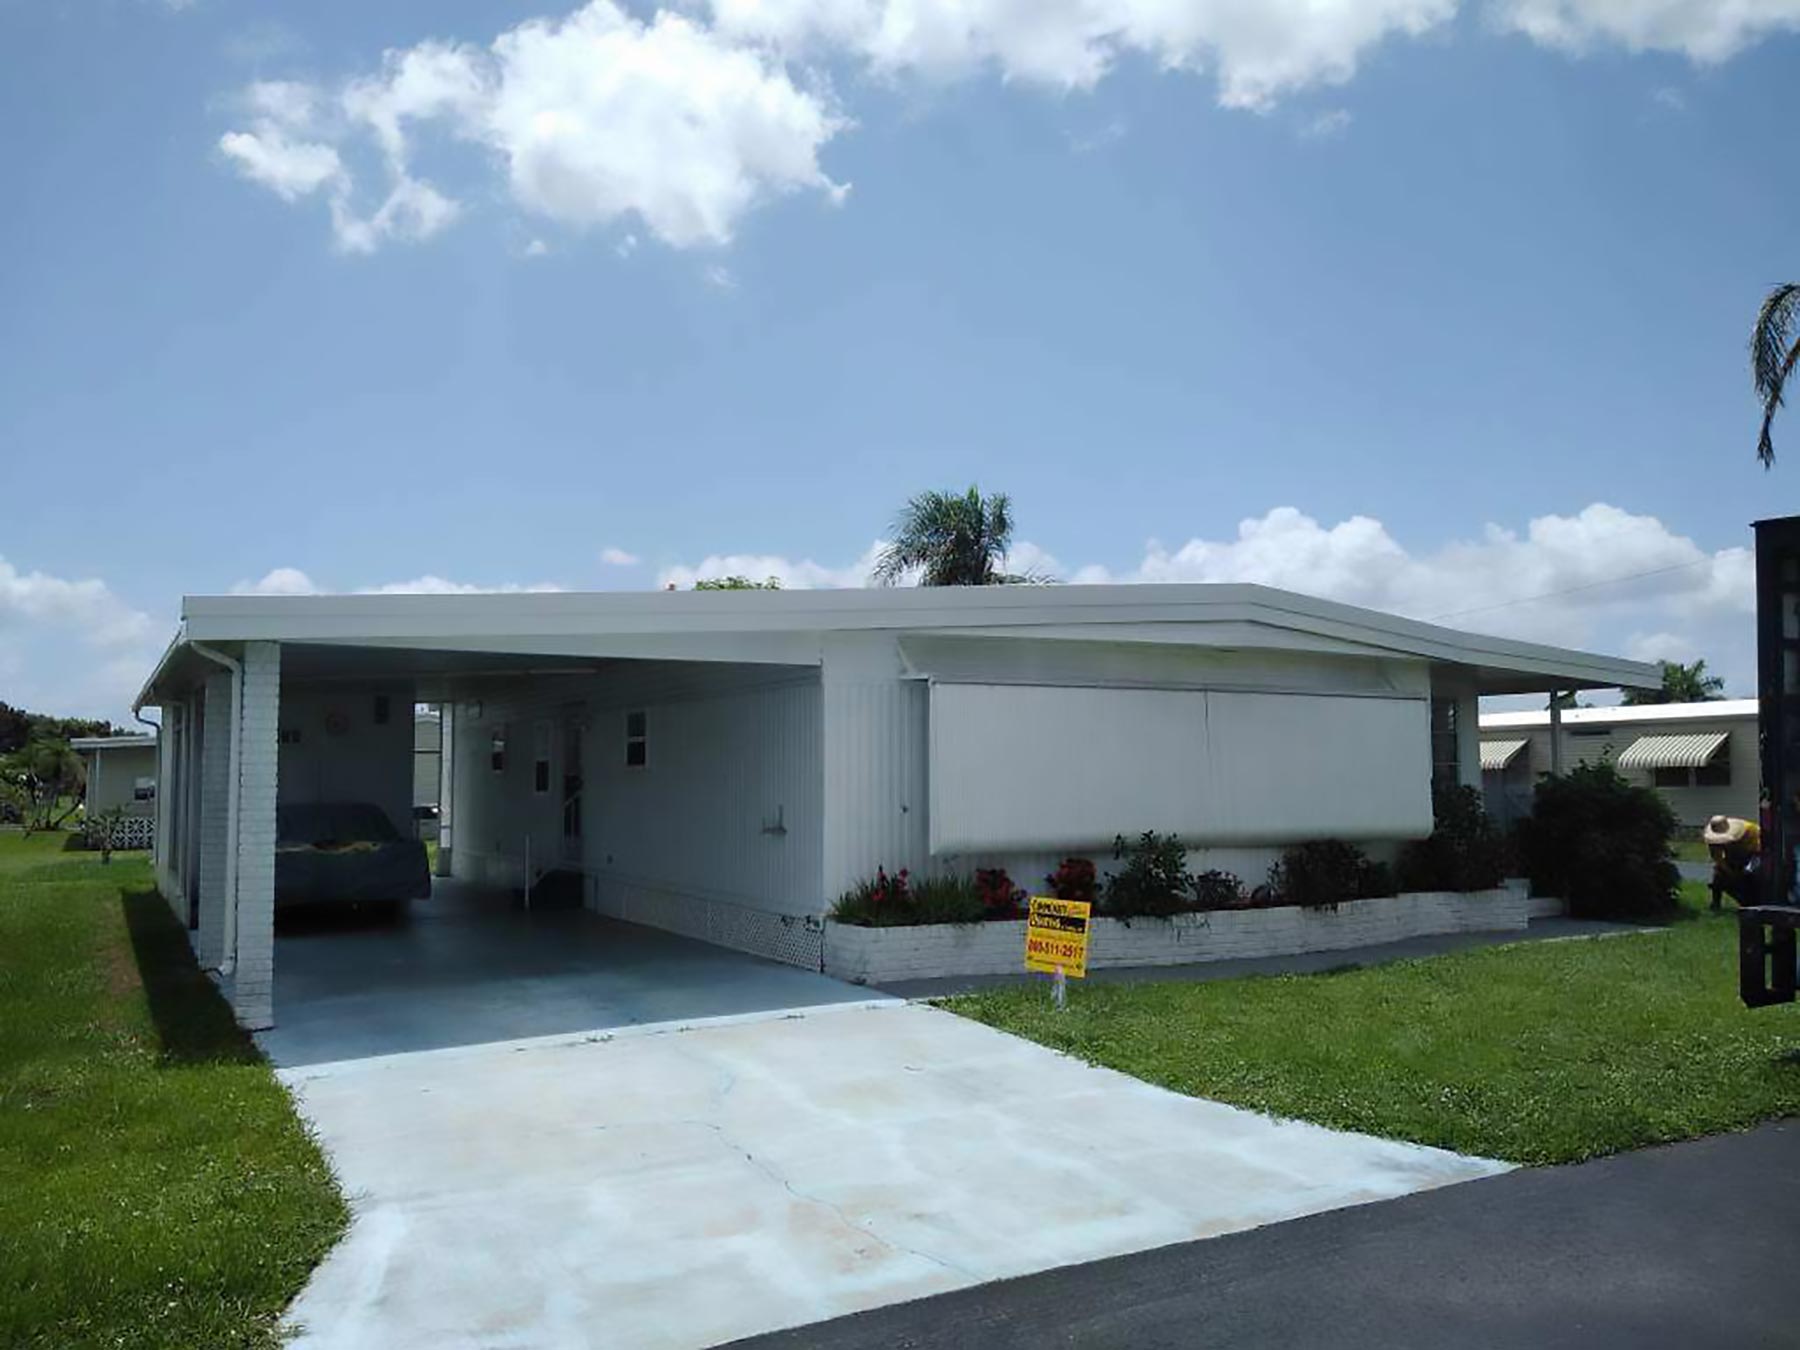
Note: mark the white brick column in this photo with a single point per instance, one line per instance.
(215, 817)
(253, 984)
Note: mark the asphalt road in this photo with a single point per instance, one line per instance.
(1686, 1247)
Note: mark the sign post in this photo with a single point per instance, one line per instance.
(1056, 941)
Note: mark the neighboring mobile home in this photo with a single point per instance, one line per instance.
(1702, 757)
(724, 763)
(121, 776)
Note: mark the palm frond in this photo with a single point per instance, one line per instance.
(1774, 352)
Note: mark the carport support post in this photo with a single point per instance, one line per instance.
(1556, 745)
(253, 988)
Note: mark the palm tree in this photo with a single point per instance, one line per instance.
(952, 540)
(1774, 352)
(1680, 684)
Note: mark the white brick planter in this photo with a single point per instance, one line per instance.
(884, 955)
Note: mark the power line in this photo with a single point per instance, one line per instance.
(1572, 590)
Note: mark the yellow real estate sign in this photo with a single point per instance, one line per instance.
(1056, 936)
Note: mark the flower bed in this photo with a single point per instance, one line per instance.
(866, 955)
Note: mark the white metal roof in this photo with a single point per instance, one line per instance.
(1718, 709)
(1498, 754)
(1690, 751)
(786, 626)
(133, 742)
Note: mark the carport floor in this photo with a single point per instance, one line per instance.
(470, 966)
(682, 1188)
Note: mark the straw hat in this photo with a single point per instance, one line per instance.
(1723, 830)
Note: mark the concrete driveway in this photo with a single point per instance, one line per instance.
(691, 1183)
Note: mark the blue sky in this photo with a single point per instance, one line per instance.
(1430, 306)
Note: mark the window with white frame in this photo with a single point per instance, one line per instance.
(144, 790)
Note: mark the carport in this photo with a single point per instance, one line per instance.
(720, 764)
(473, 967)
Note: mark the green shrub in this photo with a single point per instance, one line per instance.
(1600, 843)
(879, 902)
(1326, 872)
(898, 901)
(1465, 851)
(948, 900)
(1219, 890)
(1153, 882)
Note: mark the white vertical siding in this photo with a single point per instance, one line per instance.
(214, 817)
(876, 753)
(342, 754)
(727, 811)
(253, 979)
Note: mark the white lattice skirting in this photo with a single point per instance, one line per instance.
(794, 939)
(129, 832)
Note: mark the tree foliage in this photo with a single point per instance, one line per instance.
(952, 539)
(1774, 351)
(19, 727)
(737, 583)
(1680, 684)
(44, 779)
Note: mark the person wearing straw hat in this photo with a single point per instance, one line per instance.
(1736, 848)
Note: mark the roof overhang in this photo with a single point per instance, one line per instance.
(788, 627)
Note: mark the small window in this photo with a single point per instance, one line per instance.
(540, 758)
(1670, 778)
(637, 740)
(497, 752)
(144, 790)
(289, 736)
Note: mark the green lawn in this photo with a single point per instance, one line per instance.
(1692, 850)
(156, 1187)
(1534, 1052)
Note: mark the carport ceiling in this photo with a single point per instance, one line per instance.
(331, 661)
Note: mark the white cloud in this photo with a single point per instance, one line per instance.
(614, 556)
(1660, 647)
(720, 278)
(1260, 49)
(802, 575)
(89, 607)
(292, 581)
(1702, 30)
(626, 246)
(1669, 98)
(279, 581)
(71, 647)
(1548, 582)
(596, 117)
(683, 122)
(1602, 578)
(1087, 142)
(289, 168)
(1327, 126)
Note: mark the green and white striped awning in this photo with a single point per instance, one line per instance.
(1498, 754)
(1690, 751)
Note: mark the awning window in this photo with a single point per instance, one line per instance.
(1498, 754)
(1692, 751)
